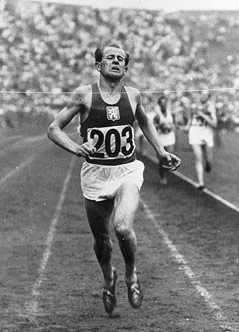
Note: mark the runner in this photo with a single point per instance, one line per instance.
(164, 123)
(201, 125)
(111, 177)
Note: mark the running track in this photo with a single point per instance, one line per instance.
(188, 251)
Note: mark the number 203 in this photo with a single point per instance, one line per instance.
(113, 135)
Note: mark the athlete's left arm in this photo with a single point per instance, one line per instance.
(169, 160)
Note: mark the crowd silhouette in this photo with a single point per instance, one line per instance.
(46, 51)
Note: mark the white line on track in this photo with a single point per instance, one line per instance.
(208, 298)
(195, 184)
(6, 140)
(209, 192)
(15, 170)
(22, 142)
(32, 305)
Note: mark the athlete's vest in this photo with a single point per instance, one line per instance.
(165, 121)
(198, 120)
(110, 128)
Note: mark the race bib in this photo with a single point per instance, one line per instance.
(112, 142)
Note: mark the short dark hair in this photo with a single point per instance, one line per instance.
(162, 96)
(99, 53)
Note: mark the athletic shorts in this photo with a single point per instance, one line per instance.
(100, 182)
(167, 139)
(201, 135)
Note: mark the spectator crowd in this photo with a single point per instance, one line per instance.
(46, 51)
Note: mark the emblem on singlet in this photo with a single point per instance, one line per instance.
(113, 113)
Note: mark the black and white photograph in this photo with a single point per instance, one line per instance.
(119, 177)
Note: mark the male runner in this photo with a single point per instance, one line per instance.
(201, 125)
(111, 177)
(164, 124)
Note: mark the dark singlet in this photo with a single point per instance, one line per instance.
(198, 120)
(110, 128)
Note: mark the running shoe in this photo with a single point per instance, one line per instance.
(109, 298)
(208, 167)
(200, 187)
(135, 294)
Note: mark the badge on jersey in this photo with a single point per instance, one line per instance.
(113, 113)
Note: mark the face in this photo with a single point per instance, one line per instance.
(204, 96)
(112, 65)
(163, 101)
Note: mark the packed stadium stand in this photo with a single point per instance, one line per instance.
(46, 51)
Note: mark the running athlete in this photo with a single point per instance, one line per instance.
(164, 123)
(201, 126)
(111, 177)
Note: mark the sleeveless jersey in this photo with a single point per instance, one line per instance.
(197, 120)
(110, 128)
(163, 122)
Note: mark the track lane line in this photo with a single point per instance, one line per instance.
(184, 265)
(22, 142)
(15, 170)
(32, 305)
(195, 184)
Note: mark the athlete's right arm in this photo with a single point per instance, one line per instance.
(78, 105)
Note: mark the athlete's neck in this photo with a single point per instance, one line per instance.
(163, 109)
(110, 87)
(110, 91)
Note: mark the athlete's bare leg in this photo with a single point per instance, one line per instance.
(208, 156)
(99, 217)
(126, 203)
(198, 152)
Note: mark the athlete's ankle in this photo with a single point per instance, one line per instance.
(131, 278)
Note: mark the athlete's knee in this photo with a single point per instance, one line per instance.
(124, 231)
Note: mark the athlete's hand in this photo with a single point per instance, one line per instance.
(85, 149)
(171, 161)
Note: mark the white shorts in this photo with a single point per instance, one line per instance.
(167, 139)
(201, 135)
(100, 182)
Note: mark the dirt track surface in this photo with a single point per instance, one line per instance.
(50, 280)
